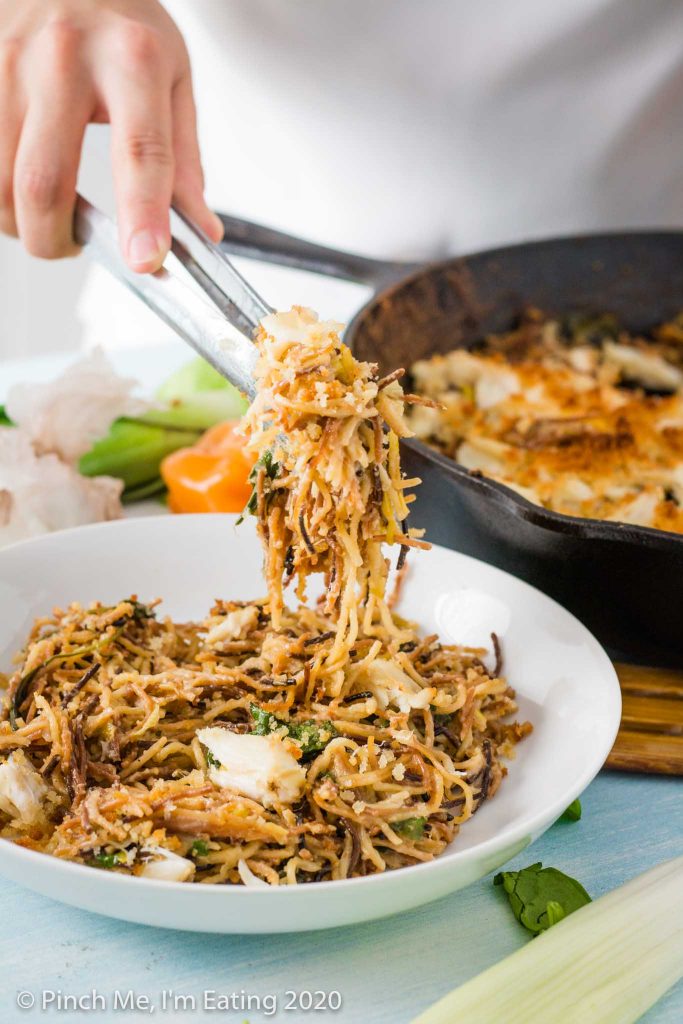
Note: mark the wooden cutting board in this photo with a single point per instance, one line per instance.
(650, 737)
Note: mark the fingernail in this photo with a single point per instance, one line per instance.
(144, 247)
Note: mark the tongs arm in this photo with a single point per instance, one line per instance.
(201, 323)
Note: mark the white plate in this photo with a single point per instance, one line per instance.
(564, 680)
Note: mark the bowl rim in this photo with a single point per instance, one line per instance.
(526, 829)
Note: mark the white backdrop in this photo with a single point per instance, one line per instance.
(39, 297)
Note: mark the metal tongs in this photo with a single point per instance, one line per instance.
(199, 319)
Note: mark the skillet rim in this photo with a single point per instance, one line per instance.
(537, 515)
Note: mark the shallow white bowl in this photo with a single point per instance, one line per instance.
(565, 684)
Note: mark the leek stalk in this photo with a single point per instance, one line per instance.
(607, 963)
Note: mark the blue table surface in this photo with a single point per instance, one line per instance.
(386, 971)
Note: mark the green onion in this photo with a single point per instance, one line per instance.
(608, 962)
(199, 848)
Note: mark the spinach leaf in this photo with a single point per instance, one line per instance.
(573, 812)
(265, 722)
(540, 897)
(312, 736)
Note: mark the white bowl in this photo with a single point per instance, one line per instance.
(565, 684)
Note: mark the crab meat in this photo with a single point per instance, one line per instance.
(259, 767)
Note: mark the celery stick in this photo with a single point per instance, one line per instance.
(607, 963)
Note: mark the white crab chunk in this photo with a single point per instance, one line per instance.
(167, 866)
(235, 626)
(391, 685)
(22, 790)
(259, 767)
(648, 369)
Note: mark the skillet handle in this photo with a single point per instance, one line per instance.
(244, 238)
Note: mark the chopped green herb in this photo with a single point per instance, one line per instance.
(110, 860)
(411, 828)
(199, 848)
(142, 611)
(540, 897)
(310, 735)
(313, 736)
(265, 722)
(573, 812)
(212, 761)
(272, 469)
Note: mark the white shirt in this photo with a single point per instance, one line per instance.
(415, 128)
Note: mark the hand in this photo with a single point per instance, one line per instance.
(65, 63)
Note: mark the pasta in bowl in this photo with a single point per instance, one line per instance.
(261, 747)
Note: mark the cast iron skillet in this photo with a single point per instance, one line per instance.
(624, 582)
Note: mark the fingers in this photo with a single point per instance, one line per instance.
(57, 77)
(138, 98)
(49, 148)
(188, 190)
(11, 114)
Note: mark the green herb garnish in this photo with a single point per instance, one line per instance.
(272, 469)
(110, 860)
(265, 722)
(312, 736)
(540, 897)
(411, 828)
(573, 812)
(199, 848)
(212, 761)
